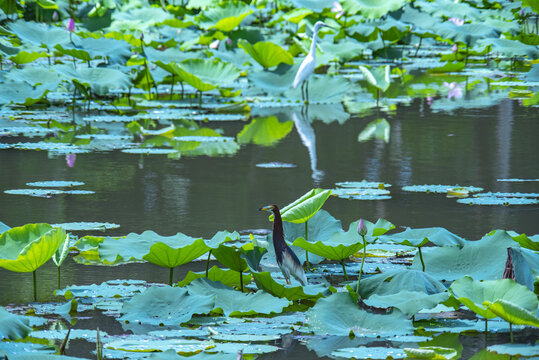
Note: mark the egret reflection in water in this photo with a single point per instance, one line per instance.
(308, 138)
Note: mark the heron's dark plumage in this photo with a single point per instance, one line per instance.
(286, 258)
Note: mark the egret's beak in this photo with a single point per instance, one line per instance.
(265, 208)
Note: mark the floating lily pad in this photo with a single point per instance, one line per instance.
(47, 193)
(203, 138)
(369, 352)
(275, 165)
(87, 226)
(518, 180)
(149, 151)
(84, 334)
(361, 194)
(439, 189)
(502, 199)
(55, 183)
(363, 184)
(182, 346)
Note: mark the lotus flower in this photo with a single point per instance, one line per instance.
(456, 21)
(454, 90)
(429, 100)
(214, 45)
(337, 8)
(70, 25)
(361, 228)
(55, 16)
(454, 48)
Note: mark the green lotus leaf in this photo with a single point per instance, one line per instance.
(483, 259)
(315, 5)
(510, 48)
(393, 282)
(468, 33)
(61, 254)
(264, 131)
(408, 302)
(305, 207)
(431, 352)
(26, 248)
(339, 315)
(165, 305)
(13, 326)
(86, 226)
(266, 282)
(39, 34)
(333, 249)
(225, 17)
(36, 76)
(21, 93)
(474, 293)
(100, 80)
(3, 227)
(377, 129)
(38, 356)
(182, 346)
(267, 53)
(119, 289)
(369, 352)
(371, 9)
(484, 354)
(531, 242)
(91, 48)
(325, 89)
(378, 77)
(514, 349)
(296, 15)
(419, 237)
(222, 237)
(171, 256)
(512, 313)
(227, 277)
(230, 257)
(134, 247)
(235, 303)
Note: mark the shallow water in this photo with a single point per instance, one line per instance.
(200, 196)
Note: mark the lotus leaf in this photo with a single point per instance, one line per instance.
(3, 227)
(315, 5)
(227, 277)
(21, 93)
(514, 349)
(230, 257)
(86, 226)
(276, 165)
(267, 53)
(116, 50)
(419, 237)
(178, 254)
(392, 282)
(432, 352)
(234, 348)
(234, 303)
(371, 9)
(512, 313)
(182, 346)
(483, 259)
(379, 77)
(323, 89)
(26, 248)
(531, 242)
(39, 34)
(305, 207)
(37, 356)
(266, 282)
(408, 302)
(333, 249)
(264, 131)
(377, 129)
(165, 305)
(224, 17)
(474, 293)
(108, 289)
(100, 80)
(13, 326)
(440, 189)
(339, 315)
(369, 352)
(171, 354)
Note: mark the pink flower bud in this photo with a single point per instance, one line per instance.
(70, 160)
(70, 25)
(55, 16)
(361, 228)
(454, 48)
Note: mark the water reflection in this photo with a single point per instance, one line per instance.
(308, 138)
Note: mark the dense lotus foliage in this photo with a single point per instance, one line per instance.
(159, 77)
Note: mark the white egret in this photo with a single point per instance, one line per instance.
(309, 63)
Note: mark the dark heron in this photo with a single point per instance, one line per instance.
(286, 259)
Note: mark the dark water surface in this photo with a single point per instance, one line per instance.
(202, 195)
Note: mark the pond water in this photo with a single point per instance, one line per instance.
(200, 196)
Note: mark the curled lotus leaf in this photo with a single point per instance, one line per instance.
(13, 326)
(512, 313)
(227, 277)
(267, 53)
(266, 282)
(419, 237)
(26, 248)
(175, 255)
(305, 207)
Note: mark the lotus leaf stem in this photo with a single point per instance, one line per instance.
(362, 262)
(418, 46)
(421, 257)
(58, 277)
(170, 276)
(307, 265)
(35, 285)
(344, 270)
(241, 281)
(511, 332)
(208, 263)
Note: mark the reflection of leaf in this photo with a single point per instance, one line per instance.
(264, 131)
(377, 129)
(267, 53)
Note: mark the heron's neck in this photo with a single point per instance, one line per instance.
(313, 43)
(278, 233)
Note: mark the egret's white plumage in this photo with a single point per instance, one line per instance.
(309, 63)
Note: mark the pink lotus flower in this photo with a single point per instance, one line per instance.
(337, 8)
(429, 100)
(55, 16)
(70, 160)
(361, 228)
(456, 21)
(455, 48)
(214, 44)
(454, 90)
(70, 25)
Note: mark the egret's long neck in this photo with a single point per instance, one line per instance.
(313, 43)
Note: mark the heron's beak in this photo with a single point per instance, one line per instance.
(266, 208)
